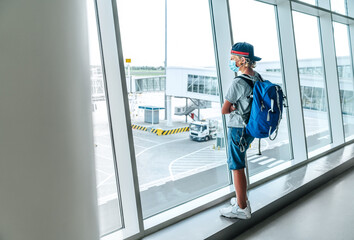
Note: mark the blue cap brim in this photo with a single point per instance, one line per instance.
(256, 58)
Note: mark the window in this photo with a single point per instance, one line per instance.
(313, 2)
(109, 206)
(277, 152)
(339, 6)
(314, 101)
(202, 84)
(208, 85)
(341, 37)
(190, 83)
(174, 103)
(195, 83)
(175, 164)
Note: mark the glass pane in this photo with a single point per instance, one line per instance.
(278, 151)
(339, 6)
(313, 2)
(172, 167)
(345, 74)
(108, 198)
(314, 101)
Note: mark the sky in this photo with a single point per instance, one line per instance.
(190, 41)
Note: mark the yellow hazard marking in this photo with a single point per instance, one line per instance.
(128, 60)
(139, 127)
(160, 132)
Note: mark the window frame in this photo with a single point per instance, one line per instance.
(117, 98)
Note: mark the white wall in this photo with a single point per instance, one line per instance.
(47, 178)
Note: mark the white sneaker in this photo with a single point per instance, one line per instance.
(236, 212)
(233, 201)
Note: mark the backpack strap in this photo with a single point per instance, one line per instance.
(277, 127)
(249, 82)
(242, 142)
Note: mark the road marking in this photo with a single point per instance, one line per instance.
(105, 199)
(275, 163)
(98, 170)
(148, 140)
(104, 181)
(188, 155)
(103, 157)
(194, 163)
(252, 157)
(154, 183)
(136, 145)
(196, 170)
(182, 139)
(267, 161)
(258, 159)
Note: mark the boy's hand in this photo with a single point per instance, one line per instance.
(232, 108)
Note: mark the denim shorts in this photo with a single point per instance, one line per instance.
(236, 158)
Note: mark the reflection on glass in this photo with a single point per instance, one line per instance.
(313, 2)
(177, 129)
(345, 75)
(108, 199)
(313, 91)
(339, 6)
(278, 151)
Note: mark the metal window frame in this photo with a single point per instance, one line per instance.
(331, 78)
(117, 97)
(222, 35)
(350, 9)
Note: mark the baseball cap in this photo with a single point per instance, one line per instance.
(245, 50)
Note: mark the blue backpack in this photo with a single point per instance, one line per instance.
(266, 110)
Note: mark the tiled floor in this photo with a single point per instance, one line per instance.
(326, 213)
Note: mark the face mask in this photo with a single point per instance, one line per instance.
(233, 67)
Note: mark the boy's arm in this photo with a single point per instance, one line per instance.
(227, 107)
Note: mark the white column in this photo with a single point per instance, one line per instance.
(329, 56)
(169, 111)
(47, 173)
(291, 76)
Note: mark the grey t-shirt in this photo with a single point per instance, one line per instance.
(238, 94)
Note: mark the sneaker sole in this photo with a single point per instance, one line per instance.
(233, 202)
(234, 216)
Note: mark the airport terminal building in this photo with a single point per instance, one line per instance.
(111, 124)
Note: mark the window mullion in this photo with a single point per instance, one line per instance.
(291, 76)
(222, 44)
(331, 76)
(117, 97)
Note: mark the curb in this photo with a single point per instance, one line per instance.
(176, 130)
(159, 131)
(137, 127)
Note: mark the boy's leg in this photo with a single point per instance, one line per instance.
(240, 187)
